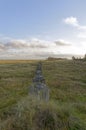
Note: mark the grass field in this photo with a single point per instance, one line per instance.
(66, 109)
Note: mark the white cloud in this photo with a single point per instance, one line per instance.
(16, 44)
(73, 21)
(62, 42)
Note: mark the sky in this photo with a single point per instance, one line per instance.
(31, 29)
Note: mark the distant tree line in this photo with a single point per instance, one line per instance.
(79, 59)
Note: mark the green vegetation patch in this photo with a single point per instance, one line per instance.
(66, 109)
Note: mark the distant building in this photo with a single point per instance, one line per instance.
(53, 58)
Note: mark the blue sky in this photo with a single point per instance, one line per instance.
(43, 22)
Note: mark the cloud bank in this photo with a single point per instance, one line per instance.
(32, 49)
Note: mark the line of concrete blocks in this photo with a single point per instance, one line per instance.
(39, 89)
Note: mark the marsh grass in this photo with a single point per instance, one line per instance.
(66, 109)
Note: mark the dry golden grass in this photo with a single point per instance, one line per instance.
(16, 61)
(66, 109)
